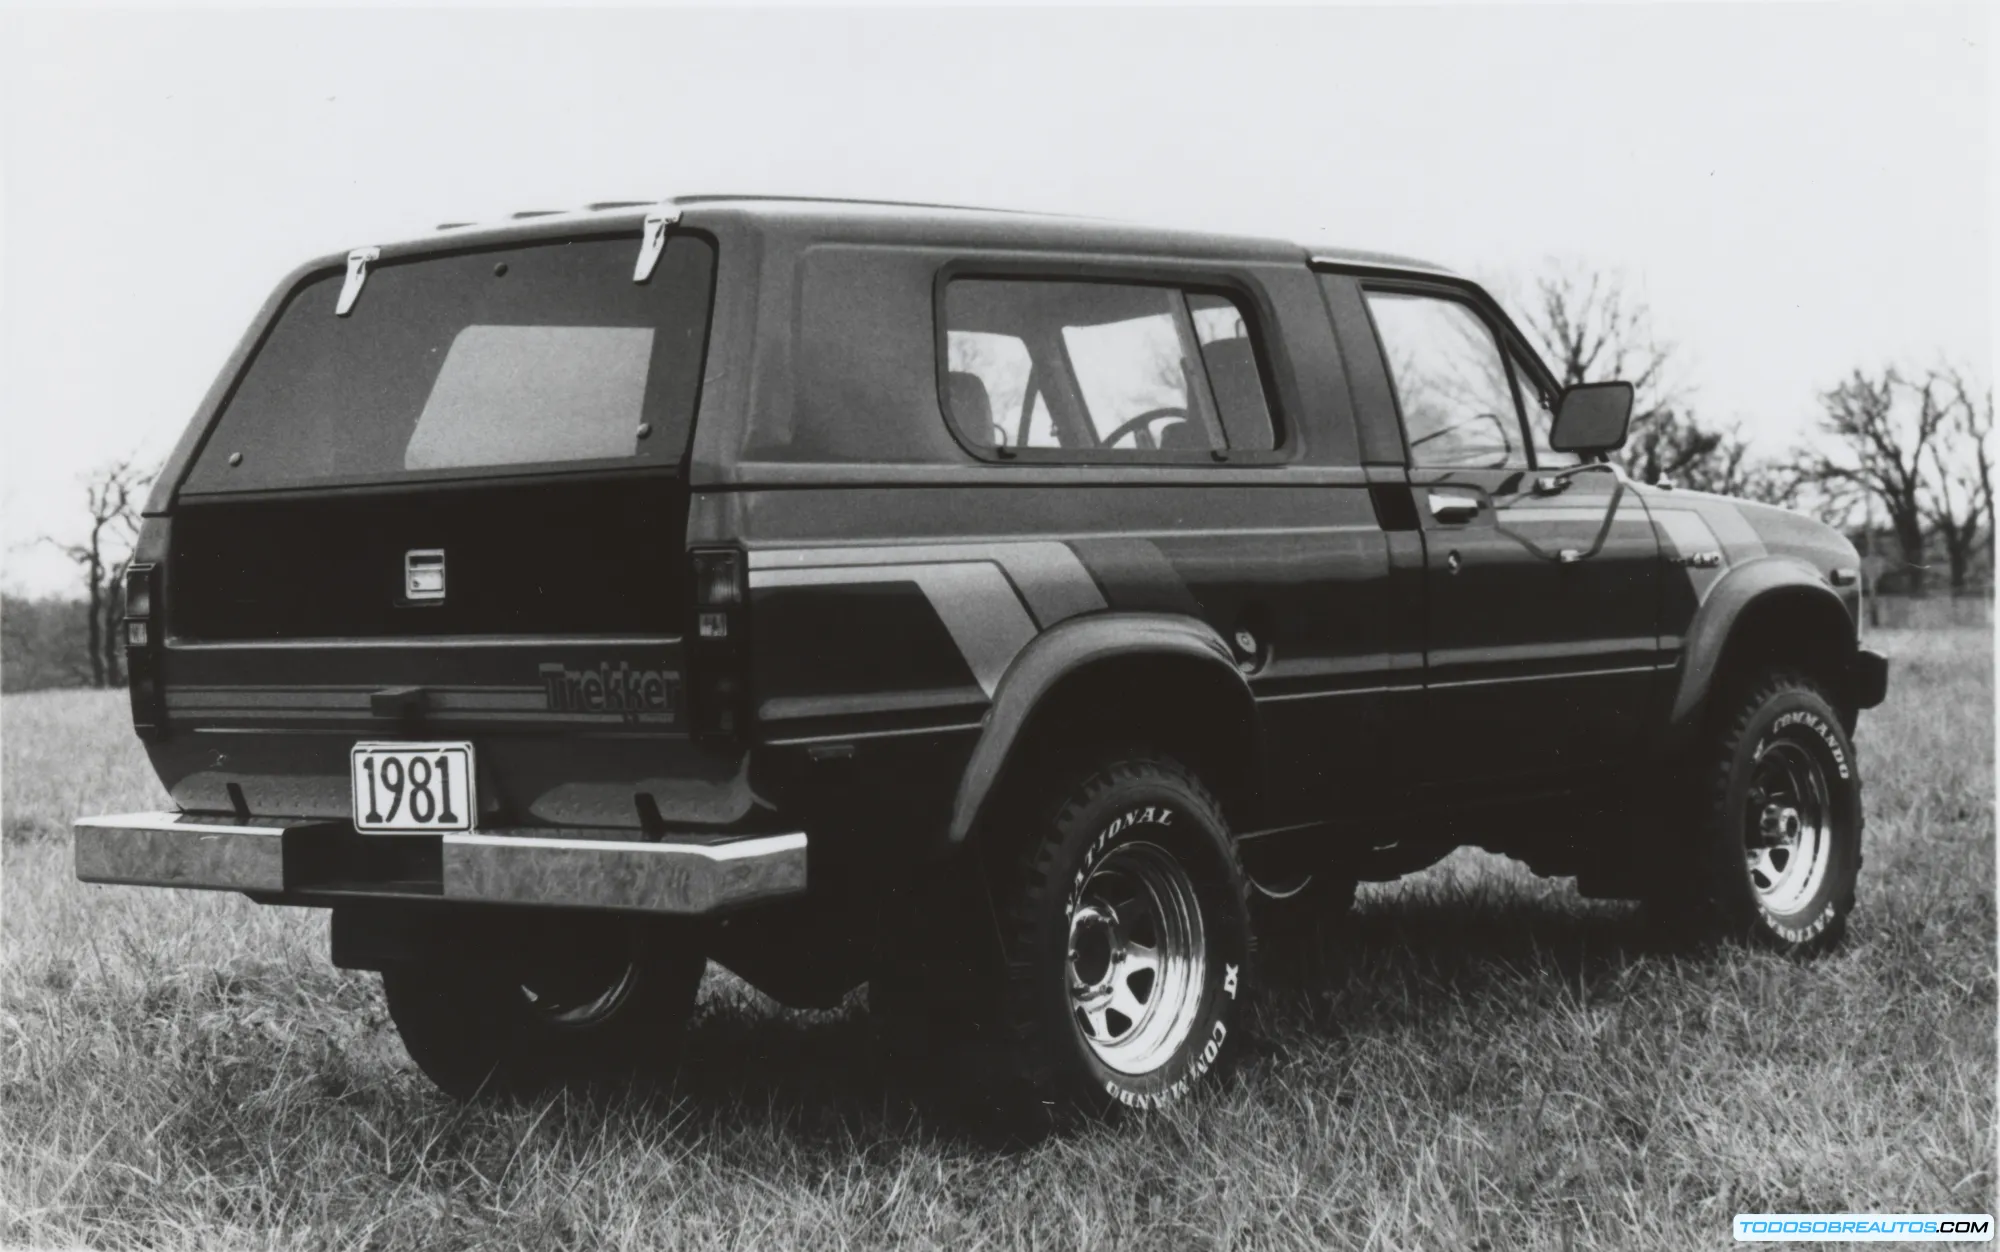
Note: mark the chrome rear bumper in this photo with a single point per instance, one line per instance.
(169, 850)
(685, 875)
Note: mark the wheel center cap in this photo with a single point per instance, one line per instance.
(1779, 824)
(1093, 949)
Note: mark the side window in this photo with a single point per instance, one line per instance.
(1451, 383)
(1132, 371)
(1540, 411)
(1231, 360)
(989, 385)
(1101, 367)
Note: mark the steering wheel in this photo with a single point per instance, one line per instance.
(1136, 427)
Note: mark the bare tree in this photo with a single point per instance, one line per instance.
(1674, 445)
(1720, 460)
(1768, 482)
(1882, 429)
(115, 493)
(1919, 444)
(1961, 479)
(1591, 328)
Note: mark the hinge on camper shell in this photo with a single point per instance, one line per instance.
(358, 262)
(654, 240)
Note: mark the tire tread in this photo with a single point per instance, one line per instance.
(1030, 1070)
(1697, 888)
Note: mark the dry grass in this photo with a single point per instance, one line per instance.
(1493, 1063)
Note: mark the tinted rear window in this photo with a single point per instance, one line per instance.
(538, 356)
(500, 385)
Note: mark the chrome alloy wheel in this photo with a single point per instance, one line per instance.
(1787, 836)
(1138, 959)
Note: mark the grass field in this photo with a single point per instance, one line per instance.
(1490, 1063)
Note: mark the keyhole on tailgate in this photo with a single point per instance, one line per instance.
(1451, 561)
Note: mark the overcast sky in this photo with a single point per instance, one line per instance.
(1798, 189)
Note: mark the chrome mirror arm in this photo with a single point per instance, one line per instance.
(1551, 484)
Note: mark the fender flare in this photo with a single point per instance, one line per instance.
(1752, 583)
(1054, 656)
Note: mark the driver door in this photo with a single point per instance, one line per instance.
(1541, 597)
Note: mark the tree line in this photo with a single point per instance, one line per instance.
(1904, 451)
(68, 641)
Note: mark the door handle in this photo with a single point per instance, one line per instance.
(1453, 508)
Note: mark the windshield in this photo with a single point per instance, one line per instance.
(538, 356)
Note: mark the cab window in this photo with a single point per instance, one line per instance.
(1452, 384)
(1540, 411)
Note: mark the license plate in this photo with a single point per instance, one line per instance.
(412, 788)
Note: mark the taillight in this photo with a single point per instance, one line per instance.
(142, 649)
(718, 578)
(718, 695)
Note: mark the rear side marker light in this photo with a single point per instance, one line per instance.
(142, 651)
(716, 657)
(716, 579)
(139, 591)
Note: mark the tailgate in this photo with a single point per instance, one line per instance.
(456, 512)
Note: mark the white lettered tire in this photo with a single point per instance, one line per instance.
(1778, 822)
(1128, 941)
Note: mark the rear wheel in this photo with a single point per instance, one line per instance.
(610, 1004)
(1127, 941)
(1778, 823)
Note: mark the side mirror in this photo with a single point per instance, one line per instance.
(1592, 417)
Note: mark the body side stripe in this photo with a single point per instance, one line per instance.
(1047, 574)
(1684, 532)
(974, 599)
(1726, 527)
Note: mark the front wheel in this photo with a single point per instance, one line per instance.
(1128, 940)
(1778, 822)
(608, 999)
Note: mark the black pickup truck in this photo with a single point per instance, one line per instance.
(1014, 613)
